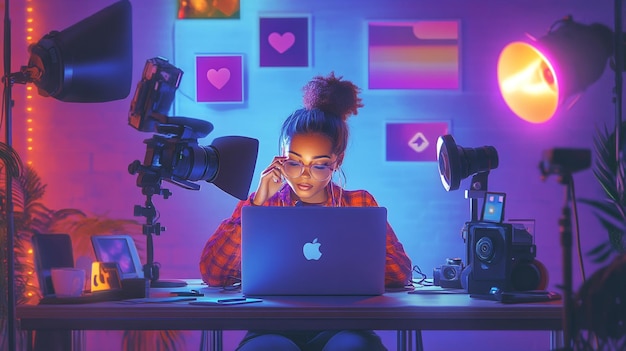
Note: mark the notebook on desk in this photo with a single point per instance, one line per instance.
(311, 250)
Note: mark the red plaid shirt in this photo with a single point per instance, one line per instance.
(220, 262)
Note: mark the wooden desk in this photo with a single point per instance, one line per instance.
(392, 311)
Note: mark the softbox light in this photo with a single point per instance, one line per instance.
(537, 77)
(90, 61)
(457, 163)
(237, 157)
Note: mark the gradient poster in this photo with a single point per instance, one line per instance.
(413, 55)
(414, 141)
(284, 42)
(219, 78)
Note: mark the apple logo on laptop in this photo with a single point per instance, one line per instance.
(311, 250)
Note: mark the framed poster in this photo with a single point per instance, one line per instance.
(208, 9)
(413, 55)
(414, 141)
(284, 41)
(219, 78)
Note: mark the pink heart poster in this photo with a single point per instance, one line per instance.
(219, 78)
(284, 42)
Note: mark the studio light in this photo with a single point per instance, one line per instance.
(90, 61)
(457, 163)
(538, 76)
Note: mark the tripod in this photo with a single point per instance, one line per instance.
(151, 269)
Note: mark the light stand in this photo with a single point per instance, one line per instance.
(150, 269)
(563, 163)
(477, 190)
(89, 61)
(8, 179)
(565, 229)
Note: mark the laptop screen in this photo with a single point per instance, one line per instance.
(313, 250)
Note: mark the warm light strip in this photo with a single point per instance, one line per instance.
(30, 122)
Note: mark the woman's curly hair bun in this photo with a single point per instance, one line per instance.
(332, 95)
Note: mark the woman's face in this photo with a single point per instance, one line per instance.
(314, 153)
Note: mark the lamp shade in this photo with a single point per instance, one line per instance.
(535, 78)
(90, 61)
(456, 163)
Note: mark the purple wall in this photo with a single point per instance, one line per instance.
(82, 150)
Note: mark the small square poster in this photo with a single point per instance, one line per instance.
(284, 42)
(219, 78)
(414, 141)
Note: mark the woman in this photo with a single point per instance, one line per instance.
(313, 143)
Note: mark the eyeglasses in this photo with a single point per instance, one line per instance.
(319, 172)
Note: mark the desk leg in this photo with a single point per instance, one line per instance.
(556, 340)
(211, 339)
(78, 340)
(30, 340)
(405, 340)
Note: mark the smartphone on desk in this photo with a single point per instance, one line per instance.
(527, 296)
(519, 296)
(187, 293)
(226, 301)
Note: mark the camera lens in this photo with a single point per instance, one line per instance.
(195, 162)
(449, 273)
(484, 249)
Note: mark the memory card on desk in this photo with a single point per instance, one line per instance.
(225, 301)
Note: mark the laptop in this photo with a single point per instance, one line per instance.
(313, 250)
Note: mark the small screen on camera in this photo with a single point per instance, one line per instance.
(493, 207)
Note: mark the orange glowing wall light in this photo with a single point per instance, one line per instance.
(537, 77)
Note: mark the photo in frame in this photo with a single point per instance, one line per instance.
(208, 9)
(413, 55)
(284, 41)
(219, 78)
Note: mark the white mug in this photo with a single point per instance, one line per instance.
(68, 281)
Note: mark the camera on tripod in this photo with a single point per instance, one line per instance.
(173, 154)
(449, 274)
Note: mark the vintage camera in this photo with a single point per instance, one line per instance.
(502, 255)
(449, 274)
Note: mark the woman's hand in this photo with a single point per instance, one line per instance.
(271, 181)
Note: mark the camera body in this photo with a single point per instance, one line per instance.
(502, 255)
(449, 274)
(154, 95)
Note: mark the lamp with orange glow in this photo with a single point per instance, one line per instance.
(536, 78)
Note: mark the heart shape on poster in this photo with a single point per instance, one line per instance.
(218, 78)
(281, 43)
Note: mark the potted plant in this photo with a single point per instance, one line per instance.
(610, 211)
(30, 216)
(600, 308)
